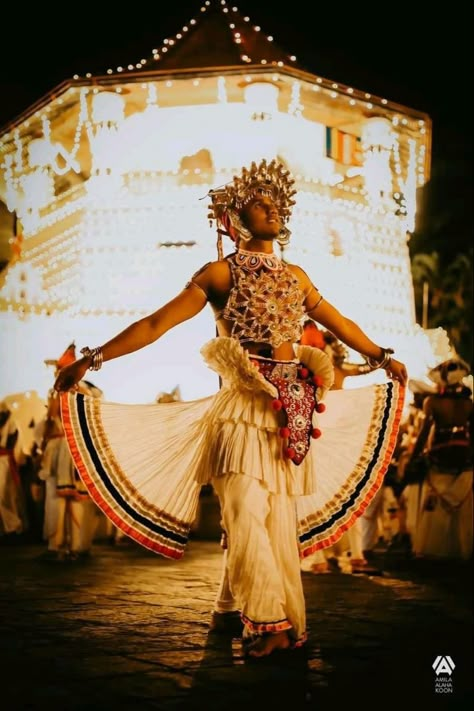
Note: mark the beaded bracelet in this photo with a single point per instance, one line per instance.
(384, 362)
(96, 356)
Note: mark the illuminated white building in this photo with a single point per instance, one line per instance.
(108, 175)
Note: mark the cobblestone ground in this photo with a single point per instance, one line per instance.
(127, 629)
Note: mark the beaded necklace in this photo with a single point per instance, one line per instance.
(253, 261)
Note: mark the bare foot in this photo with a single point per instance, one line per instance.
(263, 646)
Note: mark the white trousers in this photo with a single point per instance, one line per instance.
(70, 516)
(262, 574)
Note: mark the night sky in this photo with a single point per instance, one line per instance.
(385, 52)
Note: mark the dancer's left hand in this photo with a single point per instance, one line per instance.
(397, 371)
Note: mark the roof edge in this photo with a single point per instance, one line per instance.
(133, 77)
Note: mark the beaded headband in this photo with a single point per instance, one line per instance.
(265, 179)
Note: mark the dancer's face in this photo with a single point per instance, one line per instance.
(260, 216)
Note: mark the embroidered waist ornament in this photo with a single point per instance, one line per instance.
(296, 386)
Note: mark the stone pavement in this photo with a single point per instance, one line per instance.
(127, 629)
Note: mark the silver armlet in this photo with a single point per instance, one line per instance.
(383, 362)
(96, 356)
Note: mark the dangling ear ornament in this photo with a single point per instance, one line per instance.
(271, 179)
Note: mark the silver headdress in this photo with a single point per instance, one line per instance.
(266, 179)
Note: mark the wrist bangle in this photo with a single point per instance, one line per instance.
(96, 356)
(383, 362)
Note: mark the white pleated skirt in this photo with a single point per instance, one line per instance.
(144, 465)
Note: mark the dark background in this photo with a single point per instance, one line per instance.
(418, 56)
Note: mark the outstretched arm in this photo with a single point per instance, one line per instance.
(139, 334)
(349, 332)
(353, 369)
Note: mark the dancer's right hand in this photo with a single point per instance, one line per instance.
(71, 374)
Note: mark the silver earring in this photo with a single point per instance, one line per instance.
(283, 237)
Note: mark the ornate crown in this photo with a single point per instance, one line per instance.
(271, 179)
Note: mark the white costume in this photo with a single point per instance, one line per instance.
(11, 498)
(144, 466)
(444, 527)
(440, 508)
(281, 495)
(64, 500)
(10, 513)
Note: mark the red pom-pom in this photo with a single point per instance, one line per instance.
(315, 433)
(303, 373)
(317, 380)
(277, 405)
(284, 432)
(320, 407)
(290, 452)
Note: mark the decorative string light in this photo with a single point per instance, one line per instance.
(132, 174)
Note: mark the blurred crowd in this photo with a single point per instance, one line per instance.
(42, 498)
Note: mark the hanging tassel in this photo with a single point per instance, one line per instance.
(220, 251)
